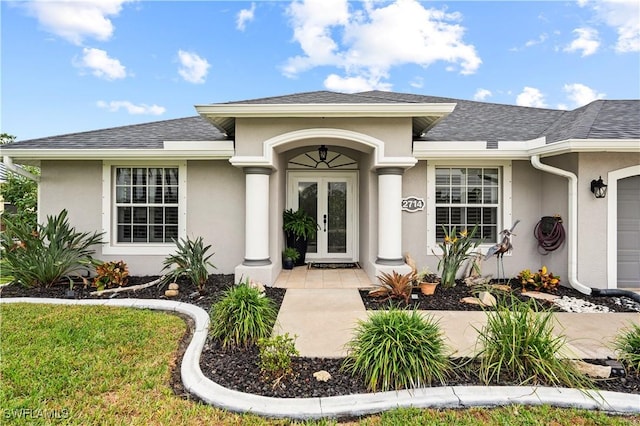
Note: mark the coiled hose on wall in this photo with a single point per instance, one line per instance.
(550, 234)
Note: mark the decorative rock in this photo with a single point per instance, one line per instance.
(257, 285)
(471, 300)
(540, 296)
(174, 286)
(322, 376)
(171, 293)
(501, 287)
(572, 304)
(592, 370)
(487, 299)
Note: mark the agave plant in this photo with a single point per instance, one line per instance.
(191, 261)
(394, 286)
(44, 255)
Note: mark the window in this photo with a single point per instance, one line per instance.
(146, 204)
(143, 207)
(465, 195)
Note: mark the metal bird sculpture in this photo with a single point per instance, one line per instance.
(504, 246)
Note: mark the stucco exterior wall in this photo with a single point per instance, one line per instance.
(252, 132)
(75, 186)
(593, 214)
(216, 209)
(526, 206)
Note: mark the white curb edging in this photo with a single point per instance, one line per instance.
(351, 405)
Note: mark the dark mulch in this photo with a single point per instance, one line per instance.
(450, 299)
(238, 368)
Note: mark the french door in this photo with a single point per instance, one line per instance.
(331, 198)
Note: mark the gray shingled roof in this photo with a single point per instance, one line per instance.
(470, 121)
(138, 136)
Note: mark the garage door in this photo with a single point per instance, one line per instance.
(629, 232)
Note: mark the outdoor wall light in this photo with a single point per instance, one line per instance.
(599, 188)
(322, 153)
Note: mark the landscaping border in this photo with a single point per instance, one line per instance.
(212, 393)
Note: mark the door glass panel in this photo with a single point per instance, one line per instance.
(337, 217)
(308, 201)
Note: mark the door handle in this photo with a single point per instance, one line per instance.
(324, 221)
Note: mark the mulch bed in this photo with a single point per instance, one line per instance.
(238, 369)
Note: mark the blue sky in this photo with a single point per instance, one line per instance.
(70, 66)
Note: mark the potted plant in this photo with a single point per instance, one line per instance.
(427, 282)
(299, 227)
(289, 257)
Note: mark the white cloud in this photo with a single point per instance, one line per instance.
(541, 39)
(417, 82)
(141, 109)
(193, 68)
(531, 97)
(580, 94)
(586, 41)
(354, 84)
(100, 64)
(482, 94)
(624, 17)
(367, 43)
(76, 20)
(244, 16)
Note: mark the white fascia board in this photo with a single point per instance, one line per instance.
(425, 150)
(586, 145)
(326, 110)
(118, 154)
(429, 150)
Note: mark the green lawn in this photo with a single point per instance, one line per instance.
(99, 365)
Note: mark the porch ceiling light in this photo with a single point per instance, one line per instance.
(599, 188)
(322, 153)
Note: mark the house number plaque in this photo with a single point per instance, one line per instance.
(412, 204)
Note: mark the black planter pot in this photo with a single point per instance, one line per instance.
(299, 244)
(287, 263)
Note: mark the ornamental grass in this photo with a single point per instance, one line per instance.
(518, 344)
(242, 317)
(398, 349)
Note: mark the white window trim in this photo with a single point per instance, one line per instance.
(109, 244)
(504, 213)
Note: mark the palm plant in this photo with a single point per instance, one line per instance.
(44, 255)
(191, 261)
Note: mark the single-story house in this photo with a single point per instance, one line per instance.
(398, 168)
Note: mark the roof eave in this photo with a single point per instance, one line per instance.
(223, 115)
(172, 150)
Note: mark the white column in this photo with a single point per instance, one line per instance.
(390, 216)
(256, 245)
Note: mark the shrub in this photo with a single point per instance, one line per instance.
(518, 342)
(43, 256)
(394, 286)
(627, 345)
(543, 280)
(111, 274)
(242, 316)
(455, 250)
(191, 261)
(397, 349)
(275, 356)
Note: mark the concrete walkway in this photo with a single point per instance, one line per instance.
(324, 319)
